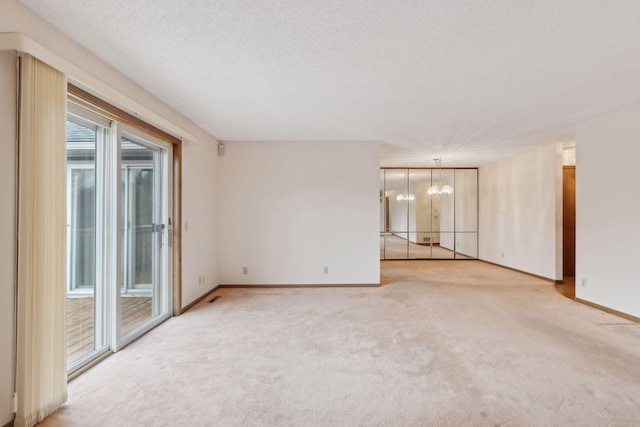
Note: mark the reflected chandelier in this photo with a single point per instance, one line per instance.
(405, 196)
(439, 188)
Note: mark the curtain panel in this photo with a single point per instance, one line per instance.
(41, 377)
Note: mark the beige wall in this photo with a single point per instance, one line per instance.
(7, 230)
(607, 206)
(291, 208)
(519, 206)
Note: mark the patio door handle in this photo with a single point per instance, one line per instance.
(158, 228)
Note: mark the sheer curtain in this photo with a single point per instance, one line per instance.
(41, 380)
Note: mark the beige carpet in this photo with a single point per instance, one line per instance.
(441, 343)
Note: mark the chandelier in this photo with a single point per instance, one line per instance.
(438, 188)
(405, 196)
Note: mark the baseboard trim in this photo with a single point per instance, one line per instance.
(608, 310)
(232, 286)
(329, 285)
(198, 300)
(548, 279)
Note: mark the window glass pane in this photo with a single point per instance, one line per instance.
(143, 296)
(81, 240)
(137, 220)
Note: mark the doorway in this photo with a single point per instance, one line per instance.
(118, 241)
(569, 221)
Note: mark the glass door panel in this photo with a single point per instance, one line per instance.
(85, 301)
(143, 293)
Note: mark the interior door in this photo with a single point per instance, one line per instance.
(569, 220)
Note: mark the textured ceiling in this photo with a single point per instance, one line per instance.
(471, 81)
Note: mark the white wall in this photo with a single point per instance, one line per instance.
(518, 212)
(200, 220)
(199, 161)
(288, 209)
(607, 206)
(7, 230)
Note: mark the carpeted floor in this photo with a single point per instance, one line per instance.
(440, 343)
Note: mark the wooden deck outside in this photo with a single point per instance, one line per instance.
(80, 322)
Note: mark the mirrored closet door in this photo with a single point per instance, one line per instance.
(428, 213)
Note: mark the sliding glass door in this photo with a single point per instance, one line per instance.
(145, 232)
(118, 234)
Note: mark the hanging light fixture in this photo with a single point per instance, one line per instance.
(439, 188)
(405, 196)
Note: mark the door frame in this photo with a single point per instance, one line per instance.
(118, 118)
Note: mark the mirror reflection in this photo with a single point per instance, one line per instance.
(428, 213)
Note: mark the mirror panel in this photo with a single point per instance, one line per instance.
(395, 188)
(444, 204)
(466, 245)
(417, 224)
(466, 199)
(419, 214)
(397, 210)
(396, 246)
(440, 248)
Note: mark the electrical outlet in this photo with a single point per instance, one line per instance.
(201, 280)
(245, 270)
(326, 270)
(583, 283)
(502, 255)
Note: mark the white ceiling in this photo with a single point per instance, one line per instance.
(471, 81)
